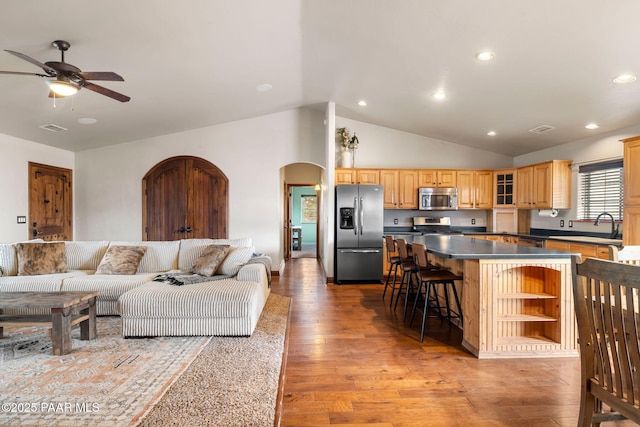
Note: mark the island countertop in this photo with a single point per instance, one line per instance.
(460, 247)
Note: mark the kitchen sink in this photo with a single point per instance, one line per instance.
(588, 239)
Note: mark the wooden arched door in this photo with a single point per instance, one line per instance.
(184, 197)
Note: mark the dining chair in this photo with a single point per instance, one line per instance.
(608, 314)
(393, 259)
(429, 279)
(628, 254)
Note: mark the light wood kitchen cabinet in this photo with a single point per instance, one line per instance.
(585, 249)
(544, 185)
(475, 189)
(504, 187)
(367, 176)
(357, 176)
(389, 181)
(503, 220)
(408, 189)
(631, 225)
(344, 176)
(436, 178)
(631, 222)
(400, 188)
(557, 245)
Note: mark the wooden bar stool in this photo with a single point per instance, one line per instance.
(409, 270)
(394, 262)
(429, 280)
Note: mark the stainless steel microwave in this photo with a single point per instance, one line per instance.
(438, 199)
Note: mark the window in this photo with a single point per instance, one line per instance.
(600, 189)
(308, 207)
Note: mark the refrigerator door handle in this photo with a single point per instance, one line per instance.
(361, 217)
(359, 251)
(355, 215)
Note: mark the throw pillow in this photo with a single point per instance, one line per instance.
(236, 258)
(41, 258)
(209, 260)
(121, 260)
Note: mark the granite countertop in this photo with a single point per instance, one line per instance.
(593, 240)
(460, 247)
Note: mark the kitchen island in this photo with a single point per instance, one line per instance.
(517, 301)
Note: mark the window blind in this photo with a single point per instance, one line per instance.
(600, 189)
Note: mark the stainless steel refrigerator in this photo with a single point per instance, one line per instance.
(359, 233)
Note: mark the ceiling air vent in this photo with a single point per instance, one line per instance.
(542, 129)
(52, 128)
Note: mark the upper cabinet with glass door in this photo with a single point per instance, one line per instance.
(504, 185)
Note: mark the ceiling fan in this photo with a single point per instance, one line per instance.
(65, 79)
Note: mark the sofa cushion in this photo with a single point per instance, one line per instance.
(85, 255)
(8, 260)
(190, 249)
(235, 259)
(121, 260)
(40, 283)
(160, 256)
(210, 260)
(41, 258)
(108, 286)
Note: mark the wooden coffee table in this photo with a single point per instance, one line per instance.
(67, 310)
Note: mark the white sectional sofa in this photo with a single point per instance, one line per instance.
(224, 306)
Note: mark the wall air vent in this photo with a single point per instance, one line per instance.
(542, 129)
(52, 128)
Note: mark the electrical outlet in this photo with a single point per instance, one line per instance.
(22, 219)
(473, 221)
(395, 220)
(562, 223)
(570, 223)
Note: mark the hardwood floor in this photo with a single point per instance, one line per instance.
(353, 361)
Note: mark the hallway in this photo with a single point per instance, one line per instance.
(352, 361)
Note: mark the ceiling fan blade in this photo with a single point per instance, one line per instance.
(101, 75)
(20, 73)
(106, 92)
(50, 71)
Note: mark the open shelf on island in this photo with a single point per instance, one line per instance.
(525, 318)
(524, 295)
(525, 341)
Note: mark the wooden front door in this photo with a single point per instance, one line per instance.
(184, 197)
(50, 202)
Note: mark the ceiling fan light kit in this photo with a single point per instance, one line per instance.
(62, 86)
(65, 79)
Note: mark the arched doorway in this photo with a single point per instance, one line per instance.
(302, 210)
(184, 197)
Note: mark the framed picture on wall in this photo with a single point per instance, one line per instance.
(309, 209)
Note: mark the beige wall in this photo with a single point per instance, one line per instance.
(15, 155)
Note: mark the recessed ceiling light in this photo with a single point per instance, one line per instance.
(265, 87)
(624, 78)
(439, 95)
(491, 133)
(87, 121)
(592, 126)
(362, 103)
(485, 56)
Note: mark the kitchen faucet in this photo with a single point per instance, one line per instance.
(614, 229)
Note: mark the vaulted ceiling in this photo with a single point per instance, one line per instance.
(198, 63)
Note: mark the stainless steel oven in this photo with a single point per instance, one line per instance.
(438, 199)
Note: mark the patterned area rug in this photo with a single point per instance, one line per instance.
(110, 381)
(233, 382)
(106, 381)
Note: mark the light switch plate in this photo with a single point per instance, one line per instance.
(22, 219)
